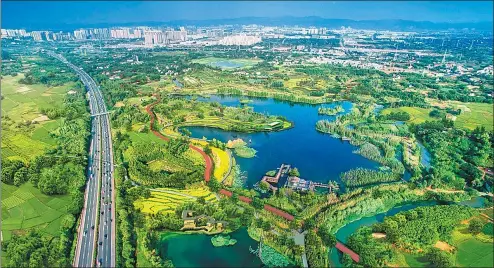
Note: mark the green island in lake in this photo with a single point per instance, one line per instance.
(330, 111)
(248, 145)
(222, 241)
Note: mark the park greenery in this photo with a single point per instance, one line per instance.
(180, 112)
(45, 126)
(361, 177)
(468, 150)
(330, 111)
(420, 231)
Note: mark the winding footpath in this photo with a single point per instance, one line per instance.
(207, 176)
(209, 164)
(207, 159)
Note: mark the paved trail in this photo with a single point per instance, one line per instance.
(207, 159)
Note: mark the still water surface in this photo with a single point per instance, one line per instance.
(196, 250)
(319, 157)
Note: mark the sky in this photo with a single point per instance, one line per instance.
(24, 14)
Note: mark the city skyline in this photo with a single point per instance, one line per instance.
(62, 14)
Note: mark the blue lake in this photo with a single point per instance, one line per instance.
(226, 64)
(425, 158)
(319, 157)
(196, 250)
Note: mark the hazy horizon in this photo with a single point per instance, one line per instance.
(28, 14)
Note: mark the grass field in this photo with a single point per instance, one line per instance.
(417, 115)
(480, 114)
(25, 207)
(22, 103)
(168, 200)
(471, 252)
(292, 82)
(414, 260)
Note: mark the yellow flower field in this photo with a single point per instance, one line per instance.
(221, 163)
(166, 200)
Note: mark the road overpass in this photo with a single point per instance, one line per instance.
(97, 230)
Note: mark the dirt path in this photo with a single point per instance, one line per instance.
(437, 190)
(207, 159)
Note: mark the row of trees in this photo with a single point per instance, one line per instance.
(361, 177)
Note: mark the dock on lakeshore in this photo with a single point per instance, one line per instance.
(282, 171)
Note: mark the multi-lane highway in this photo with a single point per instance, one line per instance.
(96, 233)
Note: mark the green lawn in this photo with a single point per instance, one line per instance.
(417, 115)
(23, 103)
(414, 260)
(472, 252)
(25, 207)
(480, 114)
(476, 114)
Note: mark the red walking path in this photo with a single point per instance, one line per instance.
(207, 176)
(355, 257)
(207, 159)
(269, 208)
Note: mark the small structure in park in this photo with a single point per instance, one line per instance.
(299, 184)
(274, 126)
(284, 177)
(274, 181)
(201, 222)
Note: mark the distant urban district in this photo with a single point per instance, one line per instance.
(247, 146)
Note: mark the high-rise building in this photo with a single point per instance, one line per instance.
(36, 36)
(175, 36)
(313, 30)
(13, 32)
(240, 40)
(102, 33)
(153, 37)
(137, 33)
(125, 33)
(47, 36)
(80, 34)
